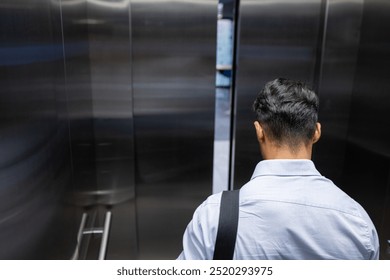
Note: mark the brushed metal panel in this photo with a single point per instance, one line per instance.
(79, 98)
(174, 91)
(110, 68)
(35, 165)
(367, 158)
(339, 58)
(111, 84)
(98, 63)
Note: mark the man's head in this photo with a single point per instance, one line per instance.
(287, 114)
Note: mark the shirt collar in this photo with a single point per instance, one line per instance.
(285, 167)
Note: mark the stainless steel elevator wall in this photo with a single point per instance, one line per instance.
(100, 99)
(110, 55)
(98, 67)
(36, 221)
(173, 46)
(366, 170)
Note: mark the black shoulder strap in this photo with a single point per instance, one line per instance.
(227, 227)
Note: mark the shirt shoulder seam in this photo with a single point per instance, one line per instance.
(309, 205)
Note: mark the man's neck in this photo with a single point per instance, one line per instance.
(284, 152)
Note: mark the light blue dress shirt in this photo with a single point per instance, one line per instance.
(287, 211)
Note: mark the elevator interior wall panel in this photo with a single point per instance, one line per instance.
(174, 45)
(110, 62)
(336, 79)
(35, 164)
(276, 39)
(80, 110)
(98, 68)
(79, 95)
(367, 158)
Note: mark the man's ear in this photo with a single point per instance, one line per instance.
(317, 133)
(259, 132)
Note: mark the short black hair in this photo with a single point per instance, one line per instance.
(288, 111)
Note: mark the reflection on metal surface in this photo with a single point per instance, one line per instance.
(84, 231)
(56, 93)
(106, 4)
(174, 93)
(75, 255)
(105, 234)
(35, 164)
(100, 105)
